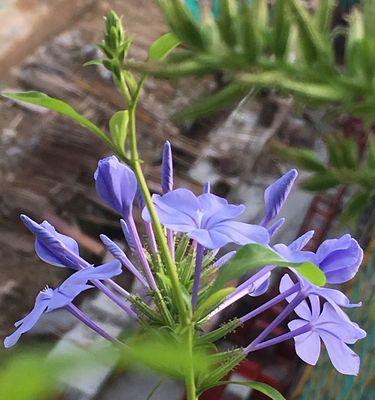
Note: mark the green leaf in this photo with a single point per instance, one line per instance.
(259, 386)
(211, 302)
(312, 44)
(118, 126)
(323, 15)
(59, 106)
(252, 256)
(162, 46)
(226, 22)
(281, 29)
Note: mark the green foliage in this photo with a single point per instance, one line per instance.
(282, 47)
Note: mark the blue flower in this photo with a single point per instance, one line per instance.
(207, 218)
(339, 259)
(51, 299)
(330, 325)
(116, 185)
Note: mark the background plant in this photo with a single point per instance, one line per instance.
(282, 46)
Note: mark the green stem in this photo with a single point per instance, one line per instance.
(159, 232)
(191, 393)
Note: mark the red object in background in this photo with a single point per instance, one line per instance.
(248, 371)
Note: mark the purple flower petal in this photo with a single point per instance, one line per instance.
(276, 194)
(336, 321)
(167, 168)
(51, 246)
(261, 285)
(104, 271)
(24, 325)
(177, 210)
(215, 210)
(307, 345)
(65, 294)
(339, 258)
(342, 356)
(301, 242)
(334, 297)
(116, 185)
(206, 219)
(275, 227)
(242, 233)
(224, 259)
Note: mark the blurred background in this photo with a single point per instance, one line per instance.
(47, 165)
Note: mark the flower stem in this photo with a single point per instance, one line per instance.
(159, 232)
(190, 376)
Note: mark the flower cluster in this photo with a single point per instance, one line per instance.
(196, 228)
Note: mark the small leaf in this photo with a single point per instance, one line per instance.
(252, 256)
(118, 126)
(59, 106)
(93, 62)
(162, 46)
(259, 386)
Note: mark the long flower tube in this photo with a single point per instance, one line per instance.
(280, 318)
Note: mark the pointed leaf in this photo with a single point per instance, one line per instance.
(59, 106)
(162, 46)
(118, 126)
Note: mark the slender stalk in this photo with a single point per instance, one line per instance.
(282, 338)
(114, 298)
(90, 323)
(140, 253)
(190, 376)
(158, 230)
